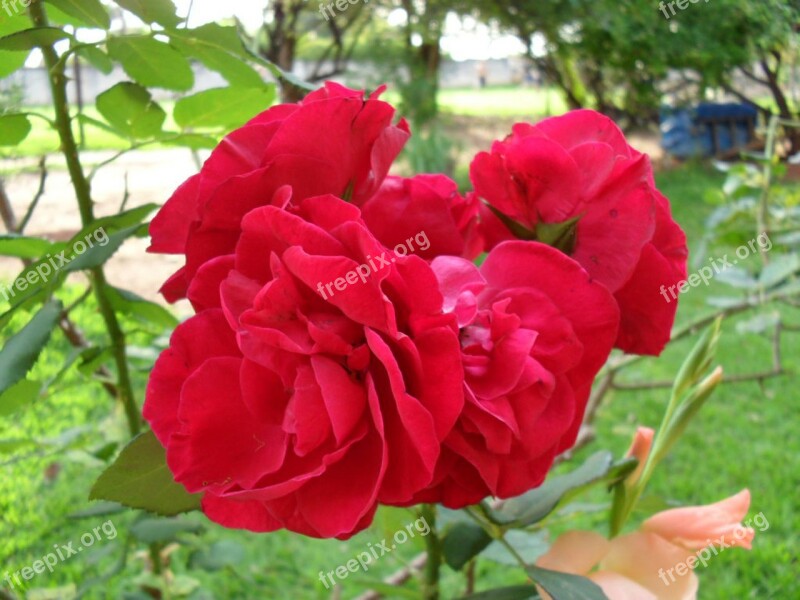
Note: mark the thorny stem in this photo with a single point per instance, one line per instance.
(69, 147)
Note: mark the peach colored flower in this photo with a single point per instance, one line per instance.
(628, 567)
(656, 562)
(697, 527)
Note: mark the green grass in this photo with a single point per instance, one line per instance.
(503, 101)
(744, 437)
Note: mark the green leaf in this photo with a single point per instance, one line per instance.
(130, 304)
(564, 586)
(22, 349)
(13, 129)
(195, 141)
(100, 253)
(11, 62)
(9, 446)
(48, 273)
(33, 38)
(758, 324)
(738, 278)
(462, 543)
(218, 556)
(87, 120)
(150, 531)
(215, 36)
(90, 12)
(20, 394)
(220, 49)
(162, 12)
(529, 545)
(780, 268)
(23, 247)
(514, 592)
(535, 505)
(152, 63)
(559, 235)
(222, 107)
(131, 109)
(140, 478)
(97, 58)
(518, 229)
(98, 509)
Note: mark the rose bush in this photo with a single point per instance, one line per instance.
(575, 181)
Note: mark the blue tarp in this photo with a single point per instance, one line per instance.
(685, 132)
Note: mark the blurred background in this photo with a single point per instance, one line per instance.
(709, 90)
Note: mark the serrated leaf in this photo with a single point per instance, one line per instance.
(514, 592)
(90, 12)
(13, 129)
(20, 352)
(162, 12)
(564, 586)
(150, 531)
(35, 37)
(140, 478)
(222, 107)
(20, 394)
(462, 543)
(152, 63)
(21, 246)
(130, 108)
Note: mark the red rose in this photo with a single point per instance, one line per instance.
(404, 207)
(535, 330)
(579, 166)
(320, 388)
(333, 142)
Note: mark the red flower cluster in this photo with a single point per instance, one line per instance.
(430, 379)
